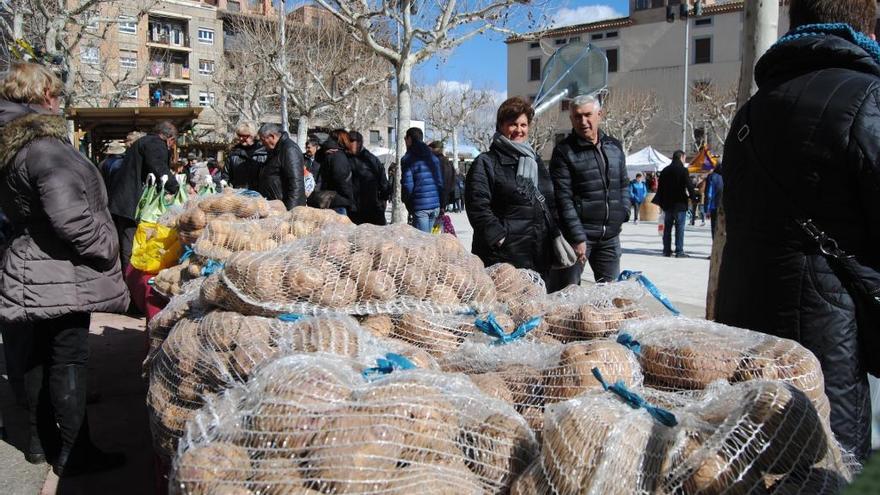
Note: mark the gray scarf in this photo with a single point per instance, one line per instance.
(527, 167)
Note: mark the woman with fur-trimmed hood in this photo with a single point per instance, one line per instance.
(61, 264)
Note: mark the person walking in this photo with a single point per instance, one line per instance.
(448, 171)
(592, 194)
(246, 158)
(281, 177)
(714, 186)
(637, 193)
(336, 174)
(61, 265)
(421, 182)
(695, 201)
(805, 147)
(673, 190)
(150, 154)
(373, 187)
(509, 195)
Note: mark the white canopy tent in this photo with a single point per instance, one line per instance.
(645, 160)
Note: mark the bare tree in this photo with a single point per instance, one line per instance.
(249, 87)
(424, 28)
(542, 132)
(447, 106)
(479, 128)
(713, 109)
(325, 67)
(628, 114)
(363, 109)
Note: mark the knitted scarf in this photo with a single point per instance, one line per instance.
(527, 167)
(839, 29)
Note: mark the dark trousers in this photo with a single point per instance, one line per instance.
(636, 207)
(675, 219)
(711, 216)
(125, 229)
(50, 357)
(604, 259)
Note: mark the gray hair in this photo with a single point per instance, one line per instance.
(271, 129)
(246, 128)
(166, 129)
(582, 100)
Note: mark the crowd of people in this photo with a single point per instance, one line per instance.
(73, 223)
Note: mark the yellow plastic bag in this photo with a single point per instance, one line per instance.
(155, 247)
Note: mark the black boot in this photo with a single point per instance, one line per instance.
(77, 455)
(43, 440)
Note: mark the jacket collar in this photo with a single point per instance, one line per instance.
(504, 158)
(802, 55)
(30, 126)
(580, 142)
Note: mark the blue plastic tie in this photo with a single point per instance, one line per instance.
(290, 317)
(636, 401)
(249, 193)
(151, 282)
(387, 365)
(492, 328)
(187, 254)
(627, 341)
(647, 284)
(210, 267)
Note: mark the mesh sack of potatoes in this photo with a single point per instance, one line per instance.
(214, 351)
(221, 238)
(757, 437)
(689, 354)
(228, 205)
(365, 269)
(583, 313)
(171, 281)
(318, 424)
(187, 304)
(436, 334)
(530, 374)
(513, 285)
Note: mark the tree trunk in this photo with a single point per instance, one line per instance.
(302, 131)
(18, 25)
(759, 34)
(404, 112)
(455, 149)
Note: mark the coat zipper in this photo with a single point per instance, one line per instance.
(605, 181)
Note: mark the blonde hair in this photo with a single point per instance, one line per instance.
(246, 128)
(28, 83)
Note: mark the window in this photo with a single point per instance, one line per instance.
(89, 55)
(127, 25)
(565, 105)
(131, 94)
(703, 51)
(658, 3)
(233, 6)
(206, 36)
(532, 98)
(375, 138)
(128, 59)
(92, 24)
(611, 34)
(206, 98)
(574, 39)
(206, 67)
(597, 36)
(612, 55)
(560, 41)
(703, 21)
(643, 4)
(534, 69)
(534, 44)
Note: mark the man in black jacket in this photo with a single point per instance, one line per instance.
(282, 175)
(673, 191)
(246, 158)
(806, 145)
(148, 155)
(373, 187)
(592, 194)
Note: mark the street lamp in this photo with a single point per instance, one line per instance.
(683, 15)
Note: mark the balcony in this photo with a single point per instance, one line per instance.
(167, 34)
(169, 95)
(174, 72)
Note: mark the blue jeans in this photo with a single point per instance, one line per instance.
(424, 219)
(341, 210)
(677, 219)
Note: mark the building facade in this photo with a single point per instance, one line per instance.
(646, 55)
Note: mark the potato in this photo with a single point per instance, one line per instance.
(669, 367)
(359, 266)
(435, 479)
(534, 416)
(493, 385)
(390, 258)
(202, 467)
(594, 323)
(338, 293)
(377, 286)
(525, 384)
(531, 482)
(249, 353)
(303, 282)
(458, 278)
(443, 294)
(413, 283)
(573, 375)
(192, 219)
(325, 335)
(277, 206)
(427, 332)
(499, 449)
(379, 325)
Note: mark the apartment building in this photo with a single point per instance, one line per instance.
(646, 53)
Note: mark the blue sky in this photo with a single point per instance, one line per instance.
(483, 61)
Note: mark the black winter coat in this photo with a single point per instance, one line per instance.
(674, 188)
(373, 189)
(501, 205)
(336, 174)
(448, 181)
(591, 186)
(814, 124)
(281, 177)
(243, 165)
(148, 155)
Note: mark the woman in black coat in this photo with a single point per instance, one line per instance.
(504, 191)
(336, 172)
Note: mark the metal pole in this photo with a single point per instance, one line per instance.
(282, 20)
(684, 114)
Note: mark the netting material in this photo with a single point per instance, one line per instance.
(515, 285)
(186, 305)
(227, 205)
(531, 375)
(309, 422)
(208, 353)
(689, 354)
(362, 270)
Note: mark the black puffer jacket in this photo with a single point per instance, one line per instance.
(281, 177)
(592, 189)
(148, 155)
(243, 165)
(501, 205)
(373, 189)
(336, 175)
(814, 124)
(674, 188)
